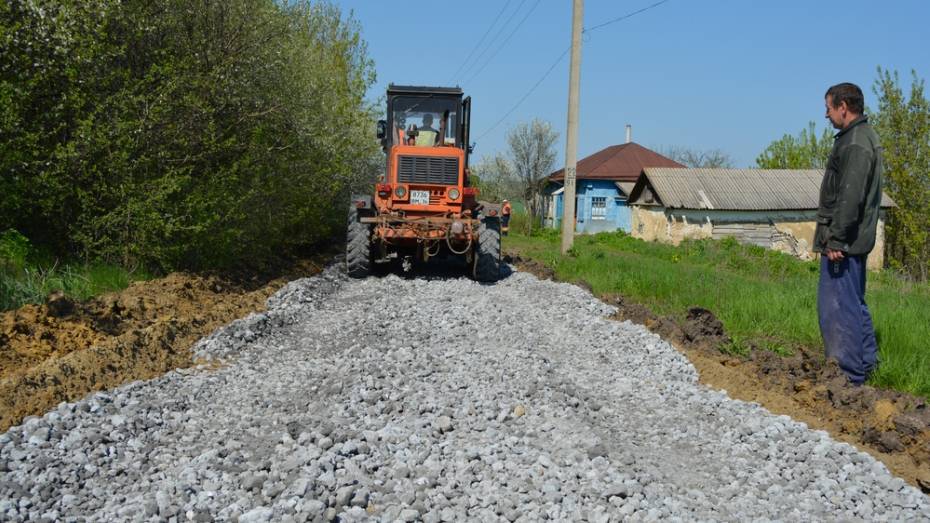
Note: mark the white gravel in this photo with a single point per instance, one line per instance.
(436, 400)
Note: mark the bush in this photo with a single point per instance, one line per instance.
(14, 249)
(178, 134)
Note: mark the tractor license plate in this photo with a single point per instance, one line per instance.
(419, 197)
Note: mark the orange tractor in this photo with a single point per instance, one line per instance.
(423, 207)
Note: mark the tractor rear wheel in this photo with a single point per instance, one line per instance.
(487, 266)
(358, 246)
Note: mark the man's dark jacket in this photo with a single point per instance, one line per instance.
(851, 191)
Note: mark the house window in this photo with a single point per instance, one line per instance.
(598, 208)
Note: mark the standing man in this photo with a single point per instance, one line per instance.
(850, 195)
(505, 218)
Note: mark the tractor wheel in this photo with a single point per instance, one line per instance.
(488, 251)
(358, 246)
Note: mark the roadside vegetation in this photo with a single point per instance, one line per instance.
(30, 276)
(181, 135)
(142, 138)
(765, 299)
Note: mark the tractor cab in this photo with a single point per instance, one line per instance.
(425, 138)
(425, 117)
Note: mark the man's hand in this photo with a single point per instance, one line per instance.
(835, 256)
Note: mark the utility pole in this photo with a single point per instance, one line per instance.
(571, 142)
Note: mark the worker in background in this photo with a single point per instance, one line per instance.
(505, 217)
(850, 195)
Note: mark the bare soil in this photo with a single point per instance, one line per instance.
(62, 350)
(893, 427)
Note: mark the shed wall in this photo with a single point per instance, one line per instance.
(791, 232)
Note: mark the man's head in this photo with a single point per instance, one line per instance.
(427, 120)
(844, 103)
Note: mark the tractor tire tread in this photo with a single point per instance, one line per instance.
(488, 251)
(358, 246)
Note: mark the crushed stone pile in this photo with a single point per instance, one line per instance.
(439, 399)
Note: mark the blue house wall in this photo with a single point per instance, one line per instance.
(614, 214)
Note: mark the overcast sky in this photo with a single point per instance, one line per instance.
(704, 74)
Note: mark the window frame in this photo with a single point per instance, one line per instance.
(598, 212)
(434, 103)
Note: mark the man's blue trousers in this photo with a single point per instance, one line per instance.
(845, 321)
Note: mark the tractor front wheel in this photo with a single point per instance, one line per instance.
(487, 266)
(358, 246)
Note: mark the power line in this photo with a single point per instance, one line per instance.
(559, 59)
(528, 93)
(494, 39)
(624, 17)
(504, 43)
(481, 41)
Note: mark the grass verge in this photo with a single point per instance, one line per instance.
(29, 276)
(79, 281)
(765, 299)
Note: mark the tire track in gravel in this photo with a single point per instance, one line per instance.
(437, 400)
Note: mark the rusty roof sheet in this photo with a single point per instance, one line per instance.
(622, 163)
(735, 189)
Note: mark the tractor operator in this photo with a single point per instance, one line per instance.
(426, 135)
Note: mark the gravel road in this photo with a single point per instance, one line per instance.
(436, 399)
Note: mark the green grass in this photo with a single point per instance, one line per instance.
(764, 298)
(27, 275)
(79, 281)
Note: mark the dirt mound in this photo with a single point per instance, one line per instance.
(891, 426)
(540, 270)
(62, 350)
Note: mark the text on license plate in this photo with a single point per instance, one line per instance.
(419, 197)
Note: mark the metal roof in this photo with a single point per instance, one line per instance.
(735, 189)
(622, 163)
(422, 89)
(625, 187)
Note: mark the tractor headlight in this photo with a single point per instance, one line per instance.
(453, 194)
(400, 191)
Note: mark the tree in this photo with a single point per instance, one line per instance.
(533, 157)
(711, 159)
(804, 151)
(903, 125)
(496, 180)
